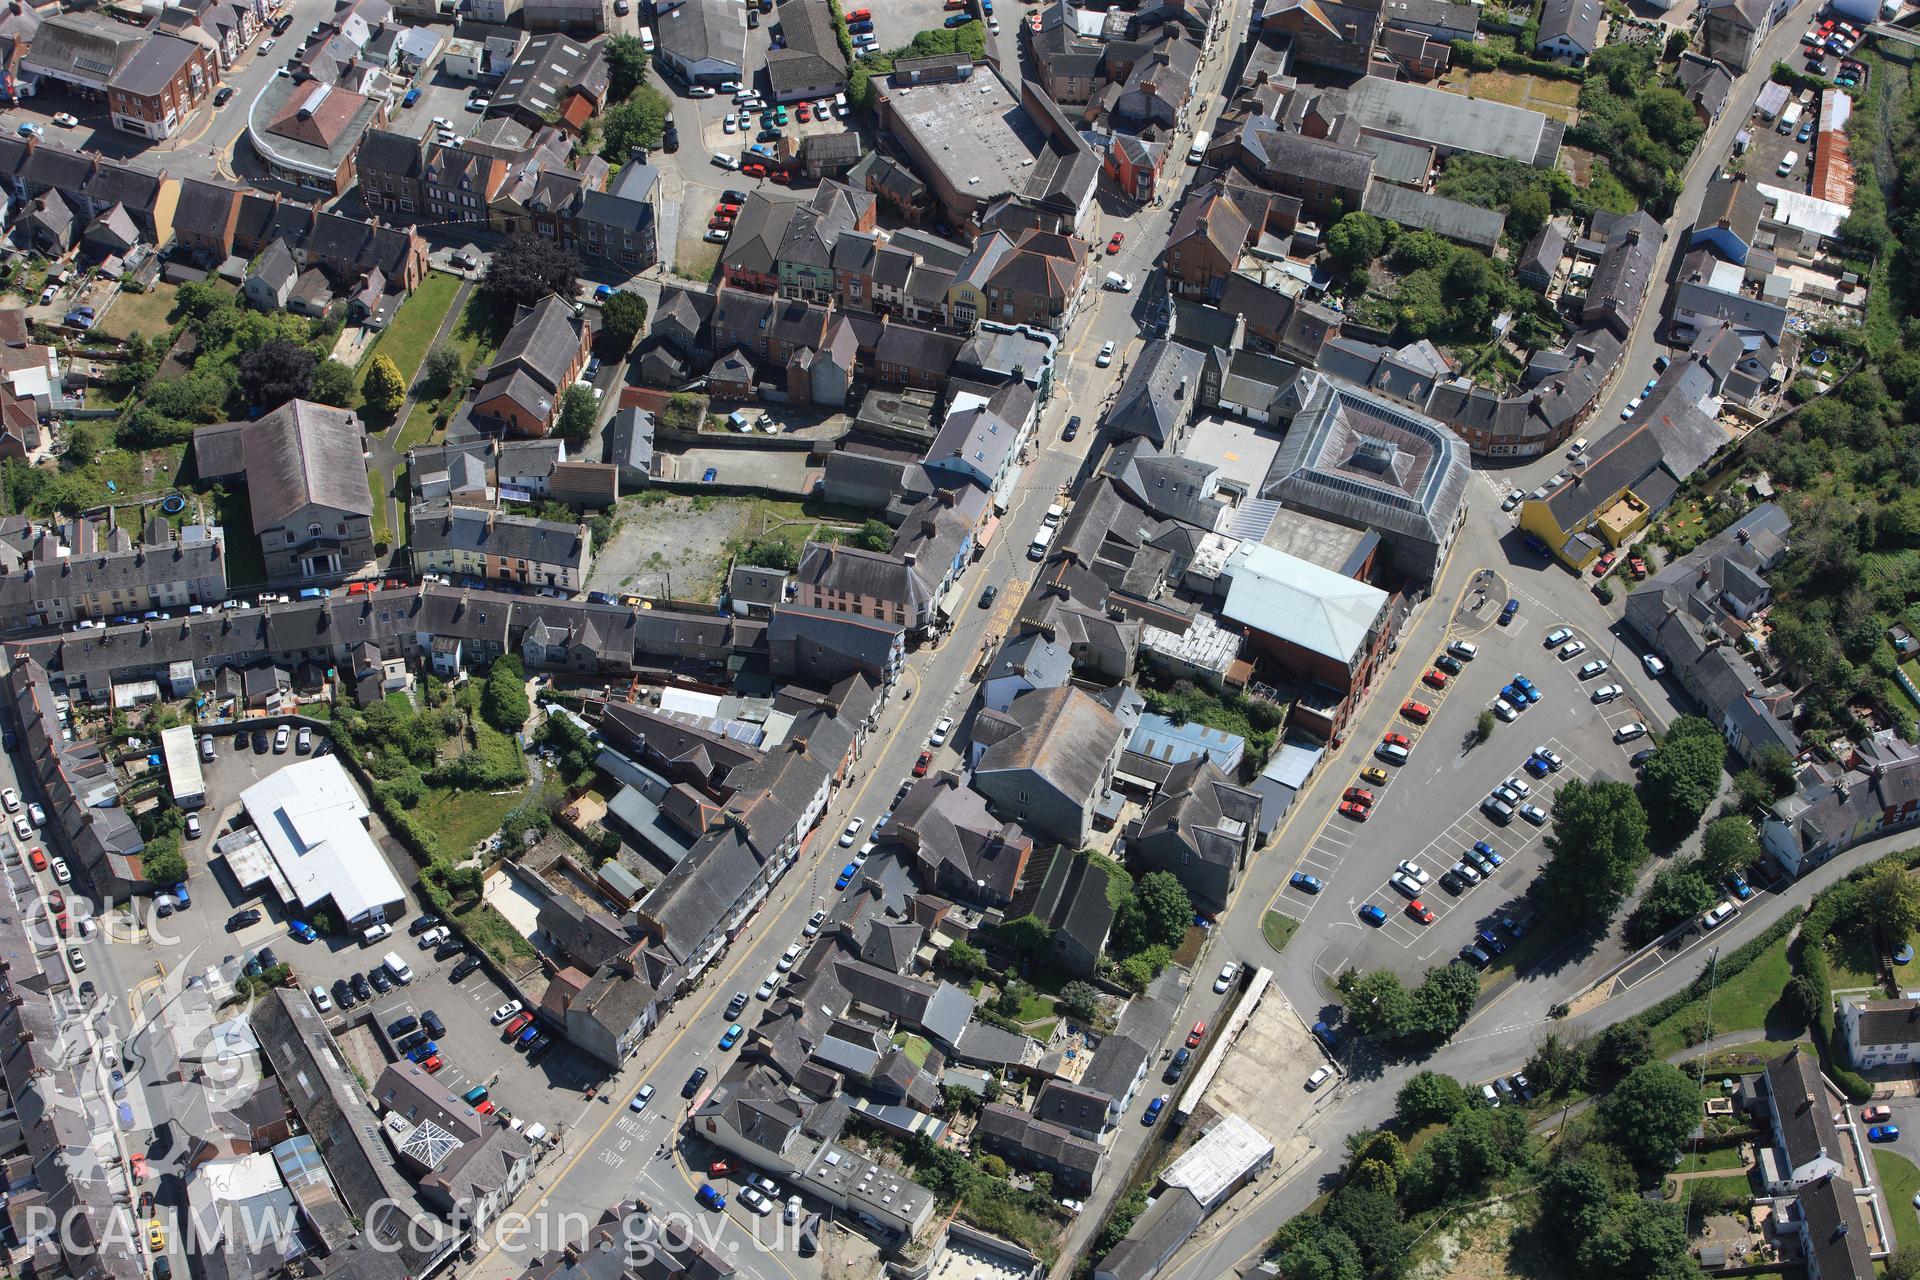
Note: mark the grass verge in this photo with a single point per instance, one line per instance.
(1741, 1001)
(494, 934)
(1278, 929)
(1900, 1179)
(406, 340)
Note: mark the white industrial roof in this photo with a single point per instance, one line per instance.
(1212, 1167)
(1803, 212)
(314, 824)
(1293, 600)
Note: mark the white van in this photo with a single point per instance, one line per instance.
(1037, 549)
(1117, 283)
(1055, 514)
(1198, 151)
(840, 107)
(1787, 163)
(402, 971)
(646, 39)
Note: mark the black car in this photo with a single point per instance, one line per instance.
(421, 924)
(163, 1268)
(735, 197)
(1640, 757)
(670, 140)
(987, 597)
(281, 23)
(753, 18)
(699, 1076)
(464, 968)
(146, 1204)
(1475, 957)
(87, 991)
(381, 982)
(343, 994)
(539, 1049)
(223, 97)
(407, 1043)
(1073, 428)
(1178, 1066)
(241, 919)
(401, 1026)
(1448, 663)
(435, 1028)
(269, 959)
(449, 949)
(1453, 884)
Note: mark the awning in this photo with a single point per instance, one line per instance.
(949, 600)
(983, 536)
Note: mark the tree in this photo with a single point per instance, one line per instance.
(1483, 725)
(1598, 844)
(1157, 914)
(1026, 934)
(622, 317)
(275, 372)
(503, 700)
(85, 442)
(527, 268)
(1677, 893)
(626, 66)
(579, 413)
(1378, 1003)
(874, 535)
(1683, 775)
(1356, 240)
(1651, 1112)
(966, 957)
(1621, 1047)
(1888, 902)
(1429, 1098)
(640, 121)
(772, 553)
(333, 384)
(1529, 212)
(1081, 1000)
(1726, 845)
(1557, 1065)
(1444, 1001)
(384, 388)
(1575, 1200)
(444, 370)
(162, 861)
(1676, 45)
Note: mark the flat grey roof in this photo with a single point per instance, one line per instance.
(974, 130)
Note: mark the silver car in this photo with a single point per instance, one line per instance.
(1605, 693)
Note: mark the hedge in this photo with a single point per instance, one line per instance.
(1478, 57)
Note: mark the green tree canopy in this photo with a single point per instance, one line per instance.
(1727, 845)
(333, 384)
(579, 412)
(527, 268)
(874, 535)
(622, 316)
(1429, 1098)
(275, 372)
(1888, 902)
(1158, 913)
(1596, 847)
(640, 121)
(626, 66)
(1651, 1112)
(445, 369)
(1683, 775)
(503, 700)
(1677, 892)
(1356, 240)
(384, 388)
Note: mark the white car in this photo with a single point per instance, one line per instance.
(266, 46)
(1225, 980)
(61, 873)
(788, 956)
(715, 235)
(866, 850)
(1319, 1077)
(21, 827)
(1606, 693)
(1490, 1095)
(280, 739)
(726, 161)
(767, 988)
(728, 126)
(1559, 635)
(748, 1195)
(1629, 731)
(1415, 872)
(852, 833)
(76, 961)
(1632, 406)
(67, 120)
(1504, 709)
(1513, 499)
(1405, 884)
(793, 1209)
(814, 922)
(193, 826)
(641, 1099)
(940, 731)
(321, 1000)
(11, 799)
(1718, 916)
(1105, 357)
(374, 933)
(1572, 649)
(1654, 666)
(1465, 650)
(1554, 760)
(36, 815)
(506, 1011)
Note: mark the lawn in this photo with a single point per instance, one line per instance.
(1278, 929)
(1901, 1182)
(246, 566)
(1853, 961)
(1712, 1158)
(149, 314)
(1740, 1003)
(406, 340)
(464, 818)
(495, 934)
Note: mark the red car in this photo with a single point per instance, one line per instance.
(1603, 564)
(1435, 677)
(802, 113)
(1418, 910)
(719, 224)
(755, 170)
(516, 1026)
(782, 177)
(1418, 712)
(1359, 795)
(720, 1169)
(1195, 1036)
(1876, 1115)
(485, 1107)
(727, 206)
(1398, 740)
(1638, 567)
(1355, 810)
(920, 765)
(1113, 245)
(60, 924)
(38, 858)
(58, 900)
(433, 1063)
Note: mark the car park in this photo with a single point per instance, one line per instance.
(1572, 649)
(1629, 731)
(1738, 886)
(1551, 758)
(1589, 670)
(1534, 813)
(1405, 884)
(1448, 663)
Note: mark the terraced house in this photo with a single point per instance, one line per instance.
(474, 542)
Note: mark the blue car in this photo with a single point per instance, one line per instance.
(1373, 915)
(1488, 852)
(1506, 614)
(1527, 691)
(526, 1036)
(859, 28)
(732, 1036)
(1883, 1133)
(421, 1052)
(1327, 1036)
(1159, 1104)
(302, 930)
(1741, 889)
(413, 96)
(179, 892)
(713, 473)
(959, 19)
(1536, 766)
(709, 1198)
(1515, 699)
(1513, 927)
(847, 873)
(1305, 883)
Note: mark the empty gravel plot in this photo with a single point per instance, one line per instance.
(670, 538)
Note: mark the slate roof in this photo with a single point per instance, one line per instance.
(300, 453)
(1802, 1109)
(1008, 1129)
(947, 825)
(1834, 1233)
(1158, 397)
(544, 340)
(1887, 1022)
(1576, 20)
(440, 527)
(1065, 737)
(1198, 805)
(539, 78)
(812, 55)
(697, 30)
